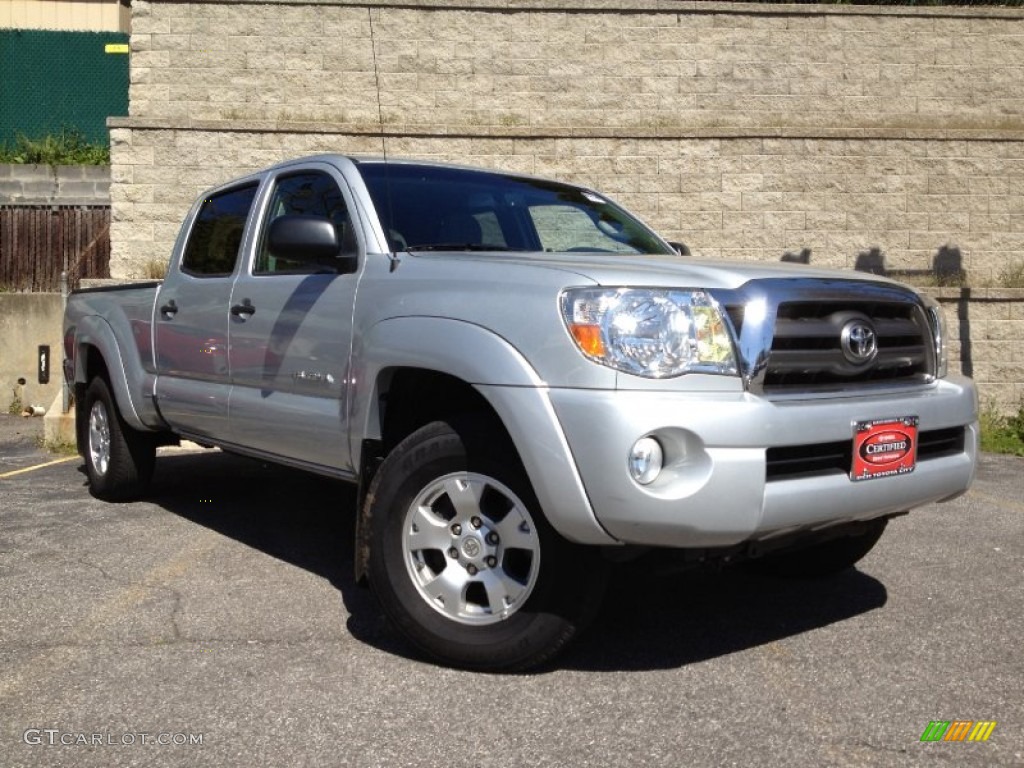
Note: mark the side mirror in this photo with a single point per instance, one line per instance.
(310, 240)
(681, 248)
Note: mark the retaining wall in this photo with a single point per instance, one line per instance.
(57, 185)
(885, 138)
(28, 320)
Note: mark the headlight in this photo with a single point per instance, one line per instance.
(650, 332)
(937, 321)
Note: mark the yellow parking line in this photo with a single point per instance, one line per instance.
(38, 466)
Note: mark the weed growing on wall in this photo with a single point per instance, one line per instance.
(1012, 275)
(927, 3)
(68, 147)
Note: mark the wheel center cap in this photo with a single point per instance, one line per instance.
(472, 547)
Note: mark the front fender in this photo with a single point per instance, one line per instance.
(465, 350)
(503, 376)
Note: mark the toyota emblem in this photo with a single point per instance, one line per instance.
(859, 342)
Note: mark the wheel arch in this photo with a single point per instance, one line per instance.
(89, 365)
(97, 352)
(408, 398)
(410, 365)
(413, 397)
(426, 369)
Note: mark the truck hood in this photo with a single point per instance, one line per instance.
(661, 271)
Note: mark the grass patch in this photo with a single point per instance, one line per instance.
(154, 269)
(1002, 434)
(68, 147)
(16, 406)
(60, 447)
(932, 279)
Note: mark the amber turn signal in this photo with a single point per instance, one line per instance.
(589, 339)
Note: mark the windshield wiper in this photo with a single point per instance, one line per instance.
(460, 247)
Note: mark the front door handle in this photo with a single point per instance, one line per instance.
(244, 310)
(169, 310)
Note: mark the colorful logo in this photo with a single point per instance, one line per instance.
(886, 447)
(958, 730)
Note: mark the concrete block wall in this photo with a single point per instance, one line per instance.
(740, 198)
(642, 66)
(54, 185)
(745, 130)
(986, 328)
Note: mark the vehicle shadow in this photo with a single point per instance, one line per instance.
(654, 617)
(299, 518)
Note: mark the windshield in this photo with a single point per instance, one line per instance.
(424, 208)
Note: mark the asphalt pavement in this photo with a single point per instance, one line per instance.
(217, 623)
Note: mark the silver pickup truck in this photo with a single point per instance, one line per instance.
(526, 383)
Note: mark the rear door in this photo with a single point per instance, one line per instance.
(191, 316)
(291, 331)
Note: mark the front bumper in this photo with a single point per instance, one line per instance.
(714, 490)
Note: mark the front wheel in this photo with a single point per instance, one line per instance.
(118, 459)
(462, 560)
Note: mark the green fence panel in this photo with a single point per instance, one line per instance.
(54, 81)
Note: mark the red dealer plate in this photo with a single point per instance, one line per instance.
(884, 447)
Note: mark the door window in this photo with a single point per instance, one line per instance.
(309, 193)
(216, 237)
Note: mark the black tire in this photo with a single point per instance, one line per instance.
(118, 459)
(821, 560)
(535, 590)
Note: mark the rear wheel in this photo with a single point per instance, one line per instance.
(462, 560)
(118, 459)
(825, 559)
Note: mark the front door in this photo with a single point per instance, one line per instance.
(290, 333)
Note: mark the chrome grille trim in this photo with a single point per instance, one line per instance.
(788, 335)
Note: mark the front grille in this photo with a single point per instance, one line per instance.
(940, 442)
(807, 351)
(804, 460)
(792, 461)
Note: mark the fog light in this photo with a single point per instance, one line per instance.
(645, 460)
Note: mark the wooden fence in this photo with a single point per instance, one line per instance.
(37, 243)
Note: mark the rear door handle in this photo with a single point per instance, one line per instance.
(244, 310)
(169, 310)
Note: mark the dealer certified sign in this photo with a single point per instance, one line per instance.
(884, 447)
